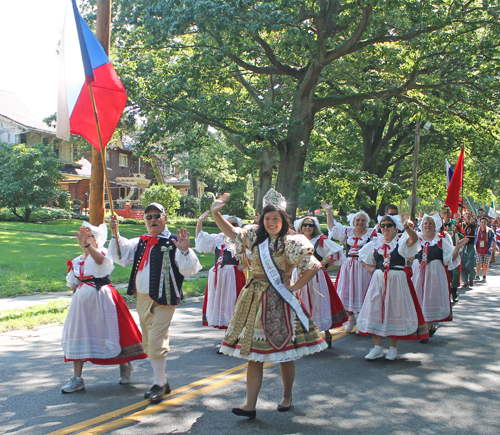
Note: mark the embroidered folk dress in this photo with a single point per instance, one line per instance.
(353, 279)
(391, 308)
(431, 279)
(264, 328)
(319, 296)
(99, 327)
(225, 281)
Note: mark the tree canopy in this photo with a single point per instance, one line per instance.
(29, 178)
(270, 74)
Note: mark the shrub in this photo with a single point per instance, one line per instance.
(165, 195)
(206, 201)
(190, 206)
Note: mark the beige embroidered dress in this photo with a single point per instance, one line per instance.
(264, 327)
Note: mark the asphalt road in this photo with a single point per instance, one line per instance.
(449, 386)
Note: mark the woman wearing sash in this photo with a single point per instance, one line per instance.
(269, 323)
(225, 278)
(430, 271)
(391, 308)
(353, 279)
(99, 327)
(319, 296)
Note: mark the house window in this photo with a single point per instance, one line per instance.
(45, 141)
(108, 159)
(142, 166)
(135, 166)
(22, 138)
(123, 192)
(56, 148)
(123, 160)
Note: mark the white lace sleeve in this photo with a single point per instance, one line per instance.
(338, 232)
(99, 270)
(448, 249)
(187, 262)
(366, 254)
(127, 248)
(205, 243)
(405, 250)
(332, 248)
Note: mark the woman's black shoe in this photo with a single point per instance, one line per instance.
(282, 408)
(243, 413)
(432, 331)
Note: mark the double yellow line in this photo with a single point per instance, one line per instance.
(97, 425)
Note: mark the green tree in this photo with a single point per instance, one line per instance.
(263, 72)
(165, 195)
(189, 206)
(29, 178)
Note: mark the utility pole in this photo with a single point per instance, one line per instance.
(97, 177)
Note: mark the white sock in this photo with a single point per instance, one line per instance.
(378, 347)
(159, 371)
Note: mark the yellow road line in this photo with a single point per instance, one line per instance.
(133, 407)
(140, 415)
(336, 335)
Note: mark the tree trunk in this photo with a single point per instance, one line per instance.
(27, 214)
(193, 184)
(266, 166)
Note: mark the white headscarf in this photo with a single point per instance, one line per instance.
(352, 216)
(395, 218)
(100, 233)
(438, 222)
(298, 223)
(239, 221)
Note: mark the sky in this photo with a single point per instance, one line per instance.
(30, 31)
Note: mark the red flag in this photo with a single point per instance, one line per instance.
(453, 196)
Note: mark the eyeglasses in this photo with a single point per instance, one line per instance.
(151, 216)
(308, 225)
(386, 225)
(234, 224)
(88, 237)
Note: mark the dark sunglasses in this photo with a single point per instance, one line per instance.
(151, 216)
(386, 225)
(308, 225)
(234, 224)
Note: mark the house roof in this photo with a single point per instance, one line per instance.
(13, 108)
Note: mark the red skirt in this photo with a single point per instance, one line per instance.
(130, 336)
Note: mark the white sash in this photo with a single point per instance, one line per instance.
(274, 278)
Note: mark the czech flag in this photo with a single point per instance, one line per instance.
(84, 62)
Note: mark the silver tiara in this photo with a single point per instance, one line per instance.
(274, 198)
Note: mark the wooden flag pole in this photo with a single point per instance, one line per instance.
(105, 167)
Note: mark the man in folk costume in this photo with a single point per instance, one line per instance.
(160, 262)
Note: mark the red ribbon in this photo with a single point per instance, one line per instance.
(385, 247)
(69, 263)
(145, 257)
(218, 263)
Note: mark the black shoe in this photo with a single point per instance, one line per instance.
(425, 340)
(157, 393)
(148, 393)
(471, 283)
(282, 408)
(432, 332)
(243, 413)
(328, 342)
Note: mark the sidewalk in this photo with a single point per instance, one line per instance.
(37, 299)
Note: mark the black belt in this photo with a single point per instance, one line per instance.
(98, 282)
(353, 255)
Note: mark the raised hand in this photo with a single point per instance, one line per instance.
(219, 203)
(113, 221)
(326, 206)
(82, 237)
(182, 242)
(203, 216)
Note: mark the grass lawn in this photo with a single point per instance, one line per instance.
(34, 263)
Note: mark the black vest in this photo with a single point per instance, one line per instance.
(318, 257)
(155, 268)
(434, 253)
(227, 258)
(397, 261)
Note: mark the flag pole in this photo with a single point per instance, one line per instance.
(105, 167)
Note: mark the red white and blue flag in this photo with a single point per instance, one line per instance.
(84, 61)
(497, 234)
(449, 173)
